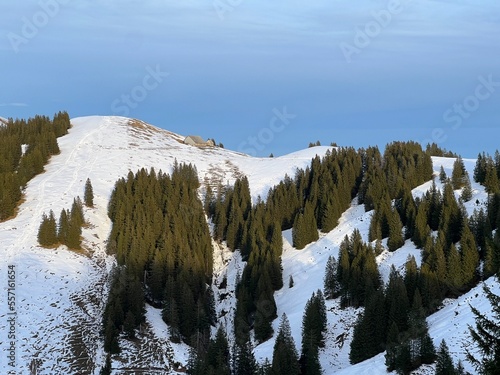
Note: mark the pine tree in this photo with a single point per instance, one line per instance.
(88, 196)
(285, 357)
(486, 336)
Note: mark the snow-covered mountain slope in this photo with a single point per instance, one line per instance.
(307, 269)
(60, 295)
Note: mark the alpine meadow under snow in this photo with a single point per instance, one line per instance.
(61, 294)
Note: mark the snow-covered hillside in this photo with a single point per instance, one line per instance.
(60, 295)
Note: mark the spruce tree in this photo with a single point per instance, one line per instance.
(392, 346)
(88, 196)
(466, 194)
(486, 336)
(77, 212)
(331, 285)
(491, 182)
(444, 363)
(63, 227)
(396, 239)
(47, 232)
(73, 240)
(285, 356)
(442, 175)
(458, 174)
(469, 256)
(244, 360)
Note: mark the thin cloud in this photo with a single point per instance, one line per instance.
(13, 105)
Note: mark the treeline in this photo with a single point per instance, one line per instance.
(25, 147)
(162, 244)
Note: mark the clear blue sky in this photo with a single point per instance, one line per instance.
(263, 77)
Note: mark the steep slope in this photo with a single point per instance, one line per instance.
(59, 294)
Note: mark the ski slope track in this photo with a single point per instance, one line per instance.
(60, 295)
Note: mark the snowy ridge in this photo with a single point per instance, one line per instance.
(60, 295)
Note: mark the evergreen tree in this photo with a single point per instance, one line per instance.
(369, 331)
(444, 363)
(397, 300)
(422, 230)
(217, 357)
(458, 174)
(244, 360)
(73, 240)
(491, 182)
(129, 325)
(88, 196)
(331, 285)
(442, 175)
(396, 239)
(480, 169)
(486, 336)
(106, 369)
(63, 227)
(469, 257)
(392, 347)
(47, 232)
(314, 322)
(285, 357)
(466, 194)
(77, 212)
